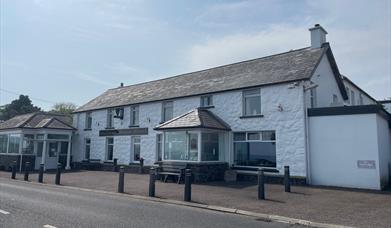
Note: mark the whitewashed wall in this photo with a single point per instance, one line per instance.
(288, 124)
(366, 100)
(384, 140)
(337, 143)
(327, 85)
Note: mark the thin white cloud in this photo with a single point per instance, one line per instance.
(242, 46)
(91, 78)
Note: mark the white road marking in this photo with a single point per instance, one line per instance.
(49, 226)
(4, 212)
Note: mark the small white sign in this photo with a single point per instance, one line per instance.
(366, 164)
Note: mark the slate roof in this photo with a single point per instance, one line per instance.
(196, 118)
(38, 120)
(284, 67)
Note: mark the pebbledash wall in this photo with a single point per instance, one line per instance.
(288, 122)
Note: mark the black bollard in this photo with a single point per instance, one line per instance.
(141, 171)
(187, 196)
(115, 164)
(26, 171)
(261, 184)
(152, 180)
(40, 174)
(287, 179)
(58, 173)
(121, 179)
(13, 176)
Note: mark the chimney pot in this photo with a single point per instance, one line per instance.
(122, 84)
(318, 36)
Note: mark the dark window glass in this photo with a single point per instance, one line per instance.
(3, 143)
(87, 153)
(167, 111)
(109, 149)
(239, 136)
(88, 120)
(206, 101)
(210, 147)
(134, 115)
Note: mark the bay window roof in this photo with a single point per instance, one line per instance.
(196, 118)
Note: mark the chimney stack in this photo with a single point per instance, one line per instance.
(318, 36)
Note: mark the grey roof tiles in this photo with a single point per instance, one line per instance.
(196, 118)
(289, 66)
(38, 120)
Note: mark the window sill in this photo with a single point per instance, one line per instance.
(207, 107)
(87, 129)
(134, 126)
(109, 128)
(253, 116)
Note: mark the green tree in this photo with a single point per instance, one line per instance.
(22, 105)
(65, 108)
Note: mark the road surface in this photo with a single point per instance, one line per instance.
(31, 205)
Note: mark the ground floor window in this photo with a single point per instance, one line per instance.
(3, 143)
(159, 146)
(136, 147)
(28, 144)
(109, 148)
(14, 142)
(255, 148)
(53, 149)
(87, 148)
(181, 145)
(210, 147)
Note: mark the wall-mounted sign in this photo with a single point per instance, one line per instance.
(366, 164)
(118, 132)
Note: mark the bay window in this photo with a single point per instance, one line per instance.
(28, 144)
(210, 147)
(255, 149)
(14, 143)
(3, 143)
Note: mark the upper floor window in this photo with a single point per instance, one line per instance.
(252, 102)
(313, 97)
(361, 99)
(167, 110)
(134, 115)
(348, 92)
(335, 99)
(352, 97)
(206, 101)
(110, 118)
(88, 120)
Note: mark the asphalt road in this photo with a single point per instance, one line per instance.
(31, 205)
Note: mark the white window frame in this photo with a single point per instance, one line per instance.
(88, 123)
(244, 96)
(134, 112)
(164, 106)
(247, 140)
(161, 142)
(209, 99)
(132, 149)
(110, 118)
(107, 148)
(353, 97)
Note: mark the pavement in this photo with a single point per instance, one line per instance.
(331, 206)
(23, 204)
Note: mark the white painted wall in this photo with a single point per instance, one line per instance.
(288, 124)
(384, 140)
(366, 100)
(338, 142)
(327, 85)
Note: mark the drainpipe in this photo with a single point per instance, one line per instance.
(307, 144)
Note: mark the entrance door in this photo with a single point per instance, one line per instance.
(38, 157)
(52, 155)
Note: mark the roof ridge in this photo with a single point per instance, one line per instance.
(211, 68)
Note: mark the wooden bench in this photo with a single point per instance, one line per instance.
(172, 169)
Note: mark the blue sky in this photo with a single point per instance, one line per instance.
(74, 50)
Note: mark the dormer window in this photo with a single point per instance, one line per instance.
(206, 101)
